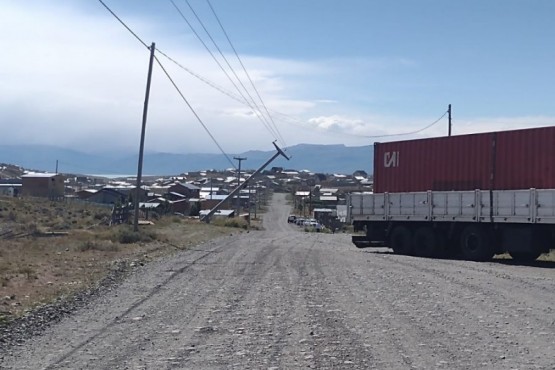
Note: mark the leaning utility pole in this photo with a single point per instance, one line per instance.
(240, 159)
(236, 191)
(142, 145)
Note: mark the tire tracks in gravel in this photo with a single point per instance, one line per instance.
(227, 322)
(331, 340)
(488, 285)
(154, 291)
(284, 299)
(223, 283)
(391, 341)
(478, 313)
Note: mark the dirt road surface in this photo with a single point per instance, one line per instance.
(284, 299)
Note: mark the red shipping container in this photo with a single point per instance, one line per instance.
(504, 160)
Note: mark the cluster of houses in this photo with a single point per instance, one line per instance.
(320, 196)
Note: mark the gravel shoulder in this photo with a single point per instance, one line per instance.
(284, 299)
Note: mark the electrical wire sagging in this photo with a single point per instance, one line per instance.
(237, 82)
(172, 82)
(269, 122)
(246, 73)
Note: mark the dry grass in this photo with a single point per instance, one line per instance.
(35, 270)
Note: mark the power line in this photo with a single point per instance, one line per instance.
(245, 100)
(245, 70)
(288, 117)
(193, 110)
(231, 95)
(254, 106)
(124, 25)
(208, 49)
(173, 83)
(303, 125)
(203, 79)
(409, 133)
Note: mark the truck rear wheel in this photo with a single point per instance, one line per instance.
(476, 244)
(401, 240)
(426, 242)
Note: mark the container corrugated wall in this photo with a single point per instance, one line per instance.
(525, 159)
(506, 160)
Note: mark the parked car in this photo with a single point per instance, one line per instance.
(291, 218)
(309, 222)
(299, 221)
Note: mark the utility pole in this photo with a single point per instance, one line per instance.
(240, 159)
(279, 152)
(56, 166)
(250, 191)
(310, 202)
(142, 144)
(256, 200)
(449, 110)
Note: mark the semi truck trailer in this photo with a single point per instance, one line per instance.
(473, 195)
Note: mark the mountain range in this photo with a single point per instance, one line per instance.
(316, 158)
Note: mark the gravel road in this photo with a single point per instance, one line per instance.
(284, 299)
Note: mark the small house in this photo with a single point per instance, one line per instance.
(48, 185)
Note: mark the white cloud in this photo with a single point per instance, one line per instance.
(76, 78)
(359, 131)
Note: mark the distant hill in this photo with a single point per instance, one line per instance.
(317, 158)
(9, 171)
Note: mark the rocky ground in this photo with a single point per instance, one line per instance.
(284, 299)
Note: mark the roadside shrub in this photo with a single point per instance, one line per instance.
(231, 222)
(128, 236)
(106, 246)
(101, 215)
(29, 272)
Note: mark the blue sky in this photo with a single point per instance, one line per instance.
(330, 72)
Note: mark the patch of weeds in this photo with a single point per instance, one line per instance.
(128, 236)
(105, 246)
(4, 317)
(4, 281)
(231, 222)
(101, 215)
(32, 228)
(28, 272)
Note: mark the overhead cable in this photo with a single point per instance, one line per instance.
(251, 103)
(245, 101)
(245, 70)
(173, 83)
(408, 133)
(301, 123)
(193, 110)
(208, 50)
(124, 25)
